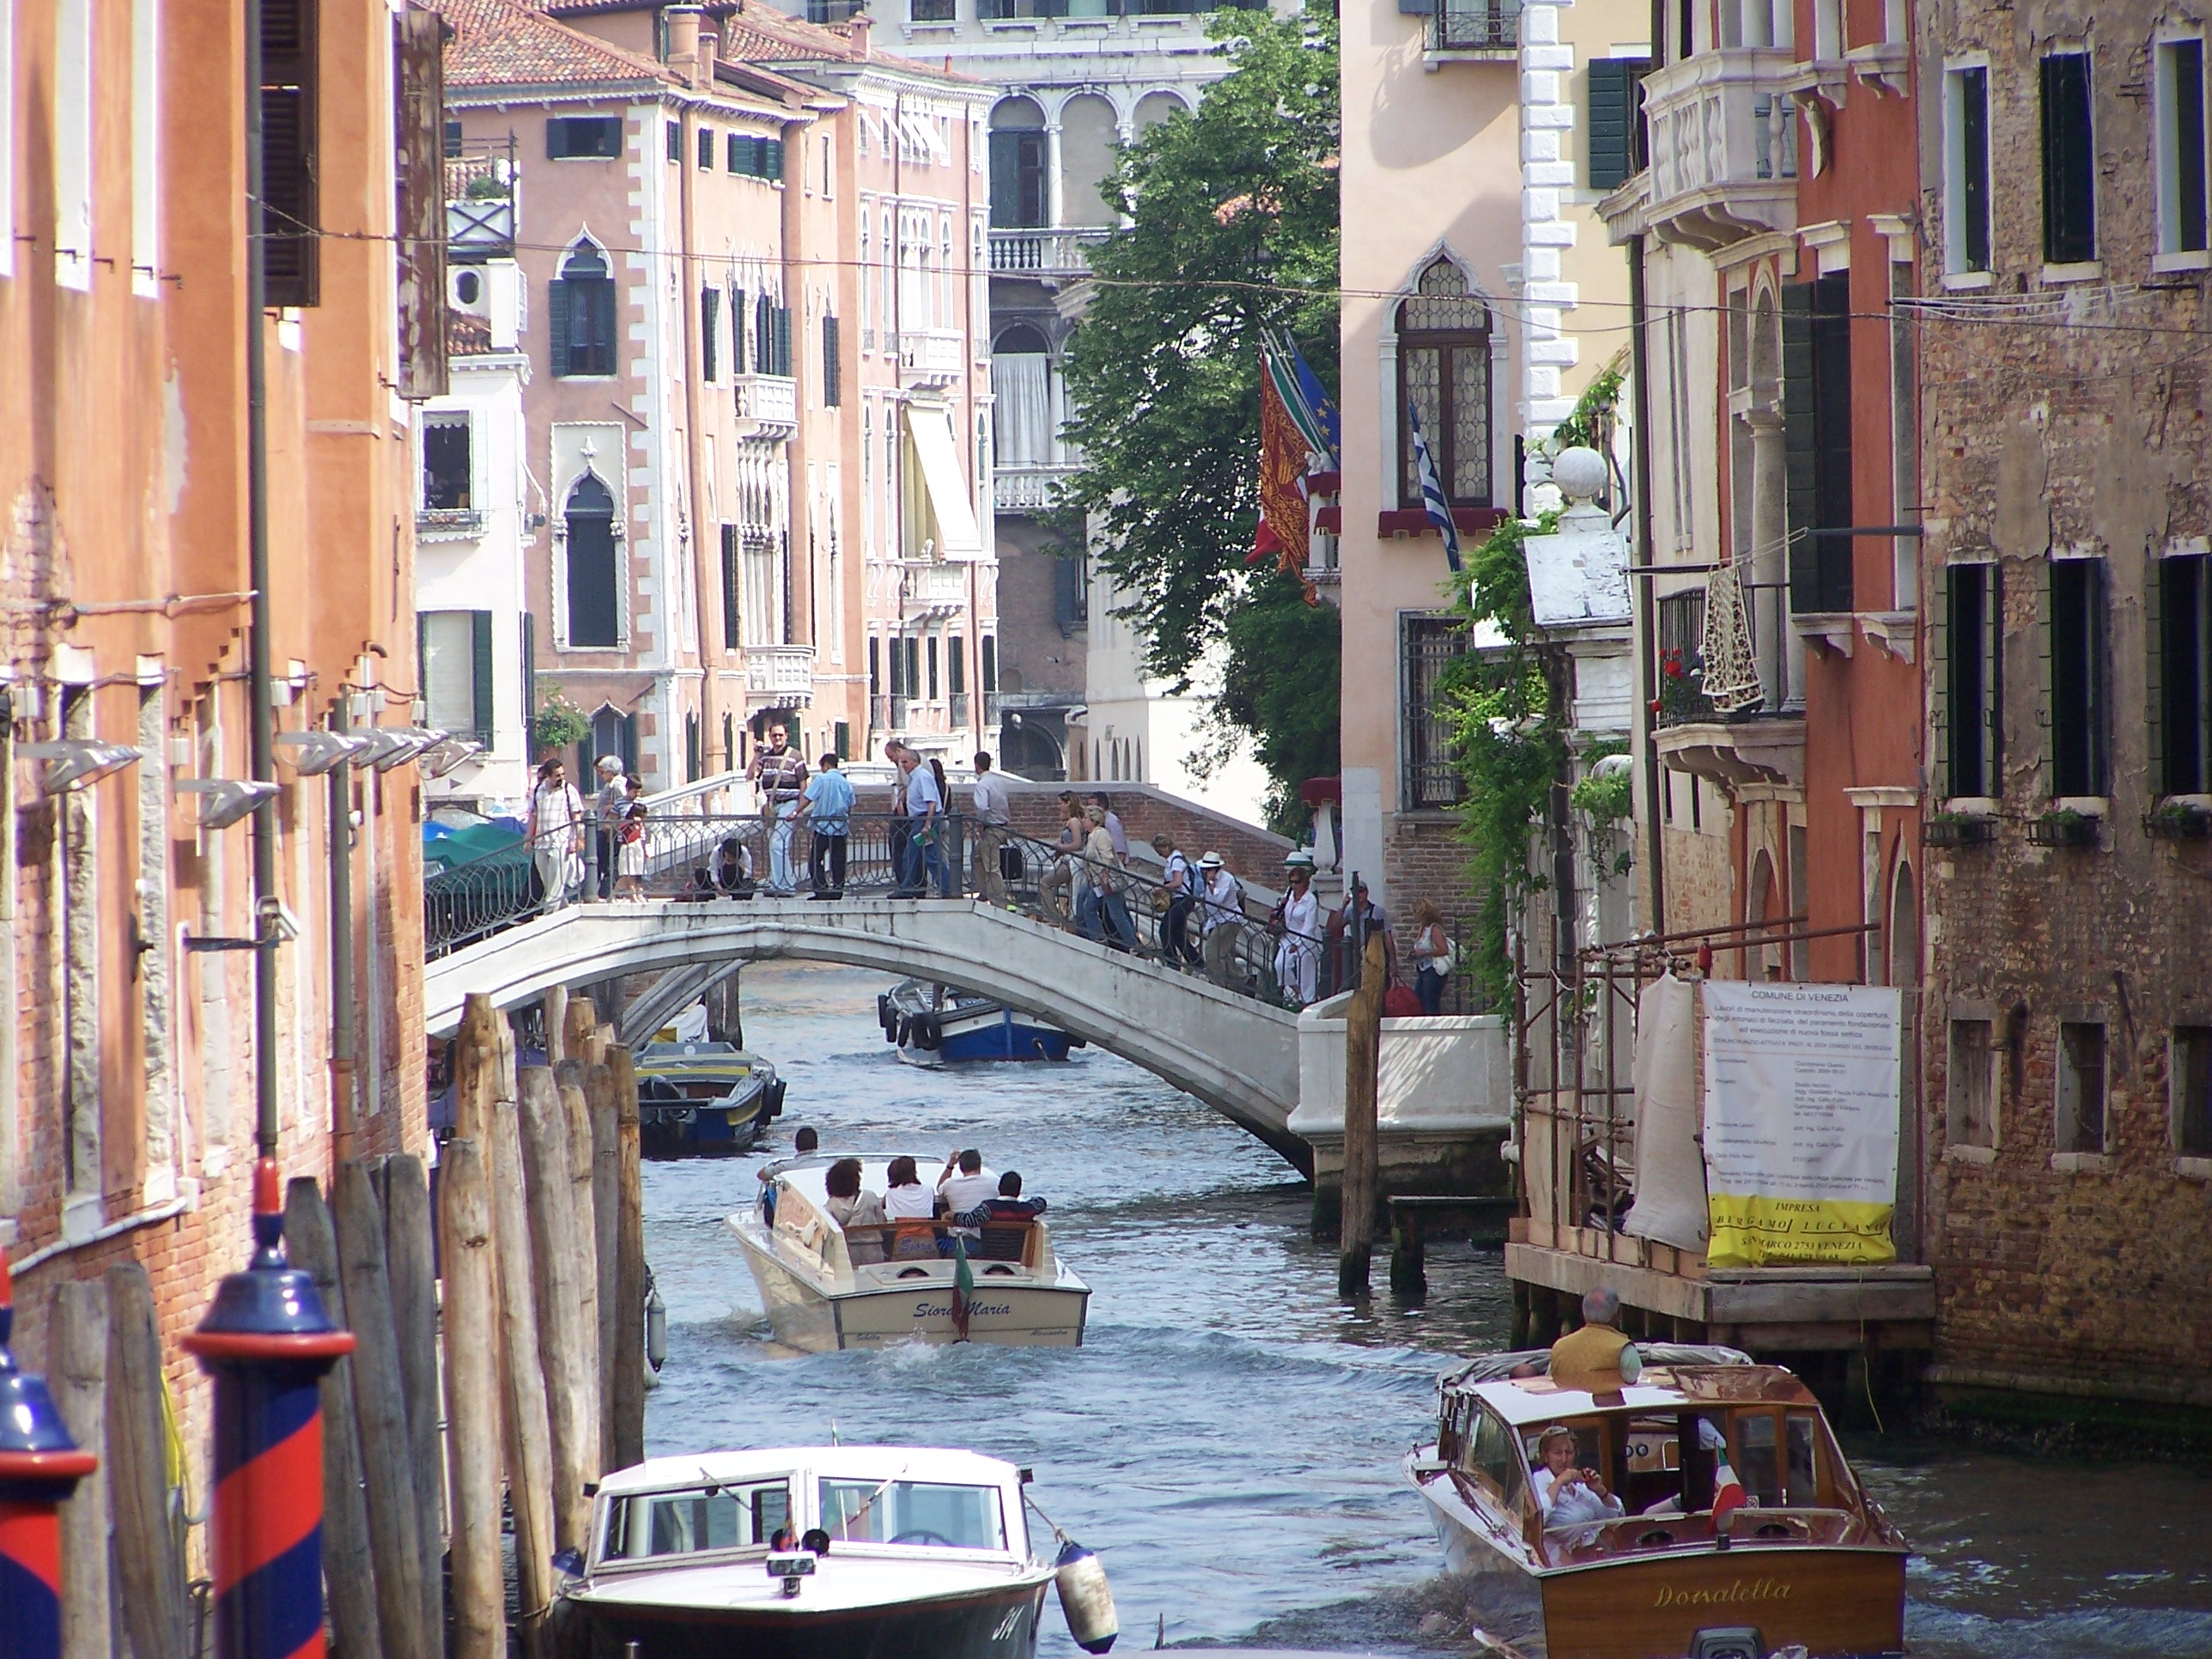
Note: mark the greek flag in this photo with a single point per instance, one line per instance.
(1433, 499)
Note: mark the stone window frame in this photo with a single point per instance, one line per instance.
(1963, 1011)
(1958, 273)
(2081, 1160)
(1501, 317)
(2194, 1162)
(2164, 152)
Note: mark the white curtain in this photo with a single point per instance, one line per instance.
(1022, 414)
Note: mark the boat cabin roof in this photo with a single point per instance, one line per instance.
(1535, 1401)
(694, 1056)
(810, 1174)
(920, 1463)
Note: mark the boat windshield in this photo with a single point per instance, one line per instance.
(657, 1524)
(913, 1512)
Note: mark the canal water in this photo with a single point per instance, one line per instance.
(1228, 1438)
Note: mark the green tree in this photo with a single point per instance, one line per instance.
(1233, 231)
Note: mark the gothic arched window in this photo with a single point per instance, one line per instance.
(1443, 373)
(581, 313)
(594, 571)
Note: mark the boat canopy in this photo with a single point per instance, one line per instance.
(1533, 1401)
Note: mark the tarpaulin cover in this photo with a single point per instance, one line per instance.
(1670, 1171)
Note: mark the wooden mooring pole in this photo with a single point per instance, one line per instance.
(606, 1220)
(557, 1251)
(1363, 1053)
(472, 1415)
(629, 1270)
(148, 1562)
(77, 1340)
(528, 1435)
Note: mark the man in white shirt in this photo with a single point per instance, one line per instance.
(993, 812)
(964, 1185)
(780, 771)
(924, 805)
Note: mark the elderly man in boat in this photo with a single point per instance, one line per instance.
(1588, 1360)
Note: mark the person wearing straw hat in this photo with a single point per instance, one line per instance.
(1297, 957)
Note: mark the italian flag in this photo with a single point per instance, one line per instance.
(964, 1286)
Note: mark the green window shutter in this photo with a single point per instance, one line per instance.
(833, 367)
(421, 648)
(2043, 609)
(730, 618)
(1940, 691)
(2069, 186)
(1991, 713)
(783, 340)
(774, 168)
(2154, 726)
(556, 325)
(1801, 444)
(557, 139)
(737, 331)
(529, 684)
(480, 680)
(1612, 100)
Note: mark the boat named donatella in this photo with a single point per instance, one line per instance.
(1744, 1533)
(816, 1552)
(819, 1299)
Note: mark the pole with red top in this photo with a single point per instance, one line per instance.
(268, 1343)
(40, 1468)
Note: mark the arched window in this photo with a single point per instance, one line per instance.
(1021, 386)
(1155, 107)
(1443, 373)
(581, 313)
(594, 572)
(1017, 156)
(1089, 135)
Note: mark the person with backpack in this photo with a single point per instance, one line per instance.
(1180, 890)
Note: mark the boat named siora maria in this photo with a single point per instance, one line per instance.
(820, 1553)
(934, 1024)
(1731, 1526)
(825, 1288)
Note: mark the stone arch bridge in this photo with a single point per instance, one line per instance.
(1238, 1054)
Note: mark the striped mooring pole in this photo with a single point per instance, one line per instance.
(267, 1342)
(40, 1468)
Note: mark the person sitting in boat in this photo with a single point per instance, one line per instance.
(905, 1198)
(1002, 1224)
(963, 1184)
(1567, 1496)
(858, 1212)
(803, 1142)
(1589, 1359)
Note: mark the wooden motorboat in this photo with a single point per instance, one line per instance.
(1017, 1292)
(1743, 1534)
(806, 1553)
(703, 1099)
(935, 1024)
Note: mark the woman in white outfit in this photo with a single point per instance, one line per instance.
(1297, 957)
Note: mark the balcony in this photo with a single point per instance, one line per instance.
(1026, 489)
(931, 592)
(448, 524)
(779, 675)
(930, 357)
(1046, 255)
(1723, 147)
(480, 204)
(767, 405)
(1715, 684)
(1475, 28)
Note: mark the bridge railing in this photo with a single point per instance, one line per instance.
(710, 857)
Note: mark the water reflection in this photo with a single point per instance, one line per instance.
(1229, 1437)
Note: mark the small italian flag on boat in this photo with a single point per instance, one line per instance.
(1728, 1489)
(964, 1286)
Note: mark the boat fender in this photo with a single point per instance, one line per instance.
(656, 1329)
(926, 1033)
(1085, 1598)
(775, 1098)
(884, 1017)
(903, 1032)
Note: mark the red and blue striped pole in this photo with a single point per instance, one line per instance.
(268, 1343)
(40, 1468)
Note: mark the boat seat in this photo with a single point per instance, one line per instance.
(916, 1241)
(1005, 1241)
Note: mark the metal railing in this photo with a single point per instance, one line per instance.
(709, 857)
(1475, 26)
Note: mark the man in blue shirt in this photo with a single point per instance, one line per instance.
(827, 811)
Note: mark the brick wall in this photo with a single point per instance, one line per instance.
(2053, 1271)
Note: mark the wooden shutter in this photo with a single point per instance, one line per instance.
(480, 680)
(737, 331)
(710, 302)
(1941, 698)
(600, 294)
(1974, 166)
(675, 141)
(1615, 97)
(530, 686)
(556, 327)
(730, 580)
(557, 138)
(706, 147)
(418, 127)
(1833, 556)
(832, 364)
(775, 168)
(2070, 188)
(1801, 444)
(290, 213)
(783, 340)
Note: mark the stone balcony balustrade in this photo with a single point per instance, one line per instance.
(1723, 136)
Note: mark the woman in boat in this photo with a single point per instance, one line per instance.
(1568, 1496)
(905, 1198)
(858, 1212)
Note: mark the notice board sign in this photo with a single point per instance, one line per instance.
(1801, 1122)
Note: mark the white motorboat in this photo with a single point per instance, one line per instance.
(1016, 1290)
(805, 1553)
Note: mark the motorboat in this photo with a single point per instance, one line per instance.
(703, 1099)
(810, 1551)
(936, 1023)
(1738, 1531)
(1007, 1287)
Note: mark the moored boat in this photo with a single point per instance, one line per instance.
(805, 1553)
(934, 1024)
(703, 1099)
(1736, 1530)
(818, 1297)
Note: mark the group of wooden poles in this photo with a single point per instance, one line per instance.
(533, 1358)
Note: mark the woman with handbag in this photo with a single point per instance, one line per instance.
(1432, 956)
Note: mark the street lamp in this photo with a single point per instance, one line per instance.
(224, 801)
(390, 745)
(311, 754)
(74, 763)
(447, 754)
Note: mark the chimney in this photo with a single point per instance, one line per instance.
(683, 41)
(856, 29)
(709, 51)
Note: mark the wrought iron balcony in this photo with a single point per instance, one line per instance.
(1486, 27)
(1724, 138)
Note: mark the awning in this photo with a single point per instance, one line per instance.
(931, 429)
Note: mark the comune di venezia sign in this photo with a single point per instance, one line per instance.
(1801, 1122)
